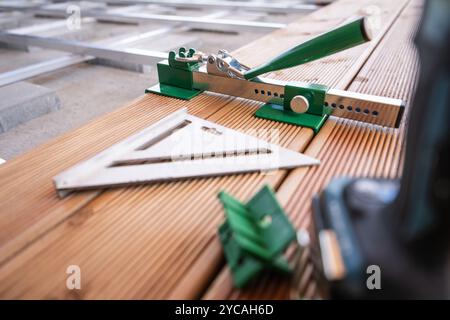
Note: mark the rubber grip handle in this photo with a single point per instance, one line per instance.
(339, 39)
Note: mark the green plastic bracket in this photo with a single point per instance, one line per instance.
(315, 93)
(314, 118)
(277, 113)
(172, 91)
(175, 77)
(254, 235)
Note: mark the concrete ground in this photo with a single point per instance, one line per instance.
(87, 90)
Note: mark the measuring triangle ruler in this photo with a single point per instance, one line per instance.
(179, 146)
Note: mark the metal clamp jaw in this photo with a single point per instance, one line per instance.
(225, 65)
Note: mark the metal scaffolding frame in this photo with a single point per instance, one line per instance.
(193, 22)
(68, 60)
(278, 7)
(72, 59)
(41, 68)
(82, 52)
(130, 55)
(270, 7)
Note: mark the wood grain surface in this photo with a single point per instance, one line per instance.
(159, 240)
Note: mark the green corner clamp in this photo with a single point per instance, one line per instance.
(254, 235)
(175, 77)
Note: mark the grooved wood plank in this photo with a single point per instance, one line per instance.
(345, 148)
(159, 241)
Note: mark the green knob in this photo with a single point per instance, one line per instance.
(341, 38)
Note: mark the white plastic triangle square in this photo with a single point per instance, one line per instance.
(179, 146)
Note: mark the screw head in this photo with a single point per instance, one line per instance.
(299, 104)
(211, 60)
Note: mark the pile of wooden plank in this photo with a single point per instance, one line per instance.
(160, 240)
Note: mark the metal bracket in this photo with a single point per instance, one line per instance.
(254, 235)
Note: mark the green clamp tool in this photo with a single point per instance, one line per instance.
(188, 73)
(254, 235)
(176, 75)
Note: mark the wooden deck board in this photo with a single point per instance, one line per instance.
(345, 148)
(159, 241)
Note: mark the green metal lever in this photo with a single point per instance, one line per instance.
(339, 39)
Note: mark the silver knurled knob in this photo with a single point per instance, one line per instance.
(299, 104)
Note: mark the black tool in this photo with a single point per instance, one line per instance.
(401, 226)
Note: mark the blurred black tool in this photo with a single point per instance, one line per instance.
(398, 229)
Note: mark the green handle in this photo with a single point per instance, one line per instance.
(341, 38)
